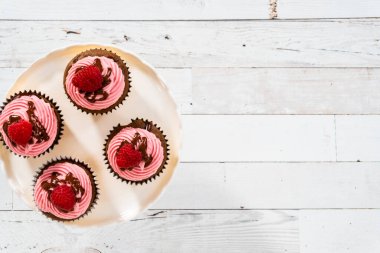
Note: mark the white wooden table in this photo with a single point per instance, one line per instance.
(281, 111)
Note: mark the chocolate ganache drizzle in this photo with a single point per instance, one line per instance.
(69, 180)
(139, 143)
(98, 95)
(38, 130)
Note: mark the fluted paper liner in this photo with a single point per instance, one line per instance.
(57, 111)
(89, 172)
(139, 123)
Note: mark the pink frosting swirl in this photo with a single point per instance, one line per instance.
(45, 113)
(114, 89)
(41, 196)
(154, 148)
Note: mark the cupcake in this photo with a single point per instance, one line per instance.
(65, 189)
(136, 153)
(30, 124)
(96, 81)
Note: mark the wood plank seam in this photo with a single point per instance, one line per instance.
(336, 145)
(160, 210)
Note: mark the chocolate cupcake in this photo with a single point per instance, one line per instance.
(30, 123)
(136, 153)
(96, 81)
(65, 189)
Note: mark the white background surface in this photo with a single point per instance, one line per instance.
(281, 121)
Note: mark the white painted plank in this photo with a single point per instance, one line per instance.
(328, 9)
(273, 185)
(286, 91)
(5, 191)
(7, 78)
(178, 81)
(268, 185)
(322, 231)
(339, 231)
(265, 90)
(358, 138)
(343, 43)
(135, 10)
(162, 231)
(229, 138)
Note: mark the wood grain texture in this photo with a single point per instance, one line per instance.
(163, 231)
(358, 138)
(178, 80)
(331, 43)
(218, 58)
(286, 91)
(6, 198)
(268, 141)
(289, 9)
(348, 231)
(266, 185)
(135, 10)
(264, 90)
(187, 9)
(238, 138)
(273, 185)
(7, 77)
(325, 231)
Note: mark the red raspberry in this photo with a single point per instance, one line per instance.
(20, 132)
(88, 79)
(63, 197)
(128, 157)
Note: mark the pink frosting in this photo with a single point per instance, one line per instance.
(45, 113)
(41, 196)
(114, 89)
(154, 148)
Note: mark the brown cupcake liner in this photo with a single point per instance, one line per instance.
(89, 172)
(121, 64)
(139, 123)
(57, 111)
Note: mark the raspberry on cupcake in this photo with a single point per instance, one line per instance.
(30, 124)
(96, 81)
(65, 189)
(19, 131)
(136, 153)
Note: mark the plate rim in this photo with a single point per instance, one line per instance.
(163, 85)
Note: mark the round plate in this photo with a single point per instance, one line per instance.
(84, 134)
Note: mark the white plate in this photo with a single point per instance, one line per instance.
(84, 134)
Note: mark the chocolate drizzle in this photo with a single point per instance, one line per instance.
(139, 143)
(137, 139)
(98, 95)
(38, 130)
(97, 63)
(68, 180)
(94, 96)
